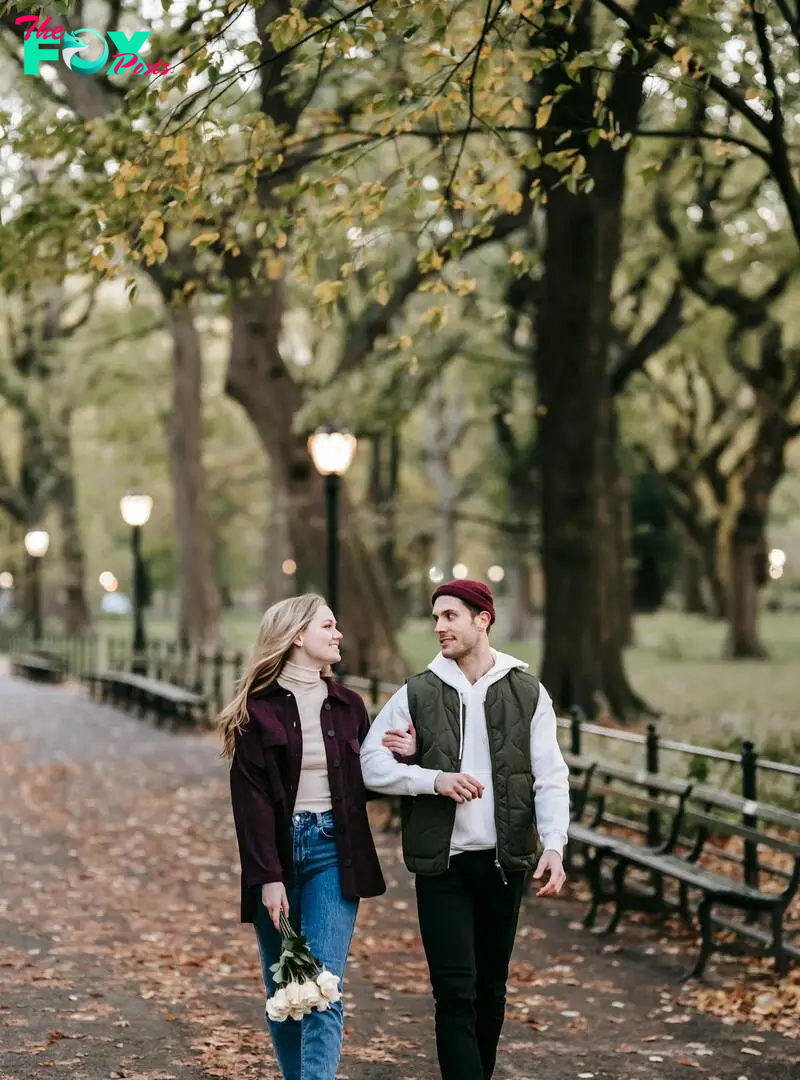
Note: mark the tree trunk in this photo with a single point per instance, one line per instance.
(573, 391)
(77, 616)
(259, 381)
(521, 620)
(443, 429)
(278, 546)
(583, 644)
(583, 662)
(199, 610)
(746, 551)
(694, 602)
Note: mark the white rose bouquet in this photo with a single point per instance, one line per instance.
(302, 983)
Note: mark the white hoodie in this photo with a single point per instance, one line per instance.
(474, 828)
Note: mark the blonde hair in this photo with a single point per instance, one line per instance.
(281, 624)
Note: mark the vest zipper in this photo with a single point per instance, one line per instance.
(460, 758)
(498, 867)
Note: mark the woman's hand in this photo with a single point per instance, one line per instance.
(401, 743)
(275, 900)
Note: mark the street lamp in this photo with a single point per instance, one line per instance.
(136, 510)
(332, 452)
(37, 541)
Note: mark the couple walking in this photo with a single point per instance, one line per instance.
(470, 744)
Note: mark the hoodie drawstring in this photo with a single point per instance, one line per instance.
(461, 708)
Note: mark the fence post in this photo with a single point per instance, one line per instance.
(219, 660)
(653, 816)
(374, 692)
(750, 792)
(575, 719)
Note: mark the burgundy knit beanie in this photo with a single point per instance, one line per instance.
(471, 592)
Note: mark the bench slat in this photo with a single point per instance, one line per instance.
(725, 800)
(730, 828)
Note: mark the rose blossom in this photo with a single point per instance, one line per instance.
(328, 984)
(277, 1006)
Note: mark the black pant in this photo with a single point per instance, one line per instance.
(468, 921)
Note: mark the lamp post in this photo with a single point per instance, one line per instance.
(37, 541)
(136, 510)
(332, 452)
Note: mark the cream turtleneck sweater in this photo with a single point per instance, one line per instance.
(309, 690)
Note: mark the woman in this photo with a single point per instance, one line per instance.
(293, 737)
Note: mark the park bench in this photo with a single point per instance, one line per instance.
(614, 798)
(39, 667)
(164, 700)
(690, 856)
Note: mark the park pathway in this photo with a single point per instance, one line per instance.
(121, 954)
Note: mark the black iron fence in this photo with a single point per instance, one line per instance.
(216, 672)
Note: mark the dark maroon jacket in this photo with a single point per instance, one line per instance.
(265, 774)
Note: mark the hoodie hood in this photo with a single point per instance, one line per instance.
(449, 671)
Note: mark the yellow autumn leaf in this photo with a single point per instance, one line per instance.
(261, 228)
(281, 240)
(466, 286)
(518, 104)
(404, 342)
(327, 291)
(543, 113)
(98, 261)
(435, 317)
(383, 295)
(516, 258)
(205, 238)
(274, 269)
(512, 202)
(683, 56)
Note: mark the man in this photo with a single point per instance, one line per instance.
(487, 801)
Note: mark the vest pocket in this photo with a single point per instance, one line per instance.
(520, 838)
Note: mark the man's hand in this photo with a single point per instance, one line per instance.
(458, 786)
(402, 743)
(551, 864)
(275, 900)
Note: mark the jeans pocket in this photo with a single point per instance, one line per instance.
(327, 830)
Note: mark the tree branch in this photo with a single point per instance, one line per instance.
(114, 15)
(661, 331)
(777, 122)
(377, 317)
(699, 133)
(736, 100)
(792, 19)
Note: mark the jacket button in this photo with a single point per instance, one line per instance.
(327, 705)
(337, 798)
(348, 862)
(336, 763)
(331, 732)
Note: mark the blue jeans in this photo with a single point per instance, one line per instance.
(309, 1049)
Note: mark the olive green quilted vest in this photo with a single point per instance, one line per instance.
(428, 820)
